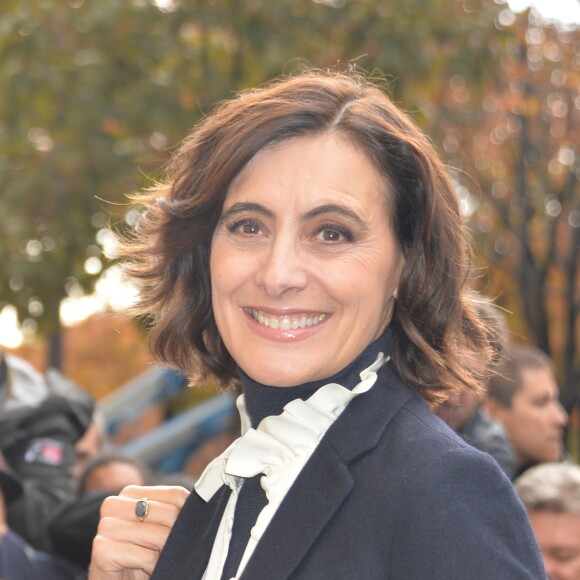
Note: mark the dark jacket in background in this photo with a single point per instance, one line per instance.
(73, 527)
(18, 561)
(489, 435)
(37, 439)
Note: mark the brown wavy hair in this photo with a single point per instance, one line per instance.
(169, 251)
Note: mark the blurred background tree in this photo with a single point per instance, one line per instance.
(93, 95)
(523, 155)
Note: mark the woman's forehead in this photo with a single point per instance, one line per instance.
(314, 171)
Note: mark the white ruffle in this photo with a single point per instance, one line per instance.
(278, 448)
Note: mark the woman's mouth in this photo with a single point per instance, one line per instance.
(287, 321)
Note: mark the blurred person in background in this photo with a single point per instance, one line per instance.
(551, 494)
(523, 397)
(111, 472)
(94, 443)
(73, 526)
(464, 411)
(41, 419)
(19, 560)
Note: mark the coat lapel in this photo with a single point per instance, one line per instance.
(363, 423)
(315, 496)
(325, 481)
(189, 545)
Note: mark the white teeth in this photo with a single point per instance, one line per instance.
(287, 322)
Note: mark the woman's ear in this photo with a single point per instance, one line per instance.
(400, 275)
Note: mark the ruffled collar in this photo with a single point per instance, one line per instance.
(281, 443)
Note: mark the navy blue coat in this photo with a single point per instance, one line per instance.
(390, 493)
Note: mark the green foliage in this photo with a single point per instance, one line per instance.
(94, 93)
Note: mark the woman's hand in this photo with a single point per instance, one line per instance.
(127, 548)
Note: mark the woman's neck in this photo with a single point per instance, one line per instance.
(264, 400)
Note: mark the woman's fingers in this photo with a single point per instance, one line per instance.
(162, 505)
(166, 493)
(129, 540)
(170, 494)
(135, 537)
(122, 556)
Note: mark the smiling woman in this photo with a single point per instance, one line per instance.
(307, 248)
(304, 262)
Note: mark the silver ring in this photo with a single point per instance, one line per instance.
(142, 508)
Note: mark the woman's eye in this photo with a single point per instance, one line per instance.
(334, 234)
(248, 228)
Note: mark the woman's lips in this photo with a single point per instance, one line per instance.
(286, 321)
(285, 326)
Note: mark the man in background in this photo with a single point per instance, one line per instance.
(551, 494)
(523, 397)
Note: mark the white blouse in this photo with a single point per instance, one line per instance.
(279, 448)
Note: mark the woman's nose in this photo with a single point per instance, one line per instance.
(281, 268)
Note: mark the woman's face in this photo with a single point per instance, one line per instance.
(304, 262)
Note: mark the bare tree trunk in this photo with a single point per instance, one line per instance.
(55, 348)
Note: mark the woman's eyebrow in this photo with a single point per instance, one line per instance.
(334, 208)
(246, 206)
(329, 208)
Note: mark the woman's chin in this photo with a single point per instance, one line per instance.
(282, 375)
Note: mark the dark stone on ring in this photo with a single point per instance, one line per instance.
(142, 508)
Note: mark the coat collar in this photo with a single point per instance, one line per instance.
(377, 407)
